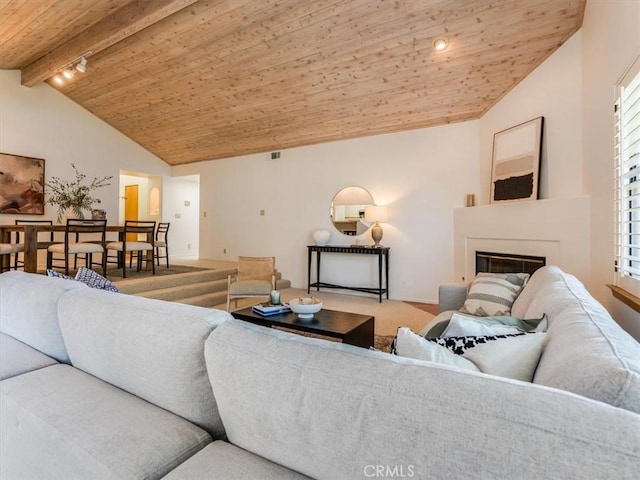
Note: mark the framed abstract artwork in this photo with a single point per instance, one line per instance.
(21, 185)
(516, 162)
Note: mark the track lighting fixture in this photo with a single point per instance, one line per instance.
(68, 71)
(82, 65)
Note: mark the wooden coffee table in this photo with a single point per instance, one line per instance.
(351, 328)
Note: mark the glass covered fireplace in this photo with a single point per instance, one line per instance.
(493, 262)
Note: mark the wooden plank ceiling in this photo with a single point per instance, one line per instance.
(201, 80)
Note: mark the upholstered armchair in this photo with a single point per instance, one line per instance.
(255, 277)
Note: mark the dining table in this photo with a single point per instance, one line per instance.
(29, 235)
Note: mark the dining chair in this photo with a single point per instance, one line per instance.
(255, 277)
(8, 249)
(136, 247)
(45, 239)
(162, 242)
(75, 230)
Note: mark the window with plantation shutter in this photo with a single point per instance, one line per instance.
(627, 176)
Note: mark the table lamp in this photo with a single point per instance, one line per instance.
(377, 214)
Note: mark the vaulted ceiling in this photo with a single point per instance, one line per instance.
(201, 80)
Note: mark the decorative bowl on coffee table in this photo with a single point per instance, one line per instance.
(305, 307)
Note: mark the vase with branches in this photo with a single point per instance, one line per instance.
(74, 195)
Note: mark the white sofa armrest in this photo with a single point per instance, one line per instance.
(451, 296)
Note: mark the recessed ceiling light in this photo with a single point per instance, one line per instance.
(440, 43)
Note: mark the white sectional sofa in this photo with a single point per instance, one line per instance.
(103, 385)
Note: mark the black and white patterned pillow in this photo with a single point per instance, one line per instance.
(511, 355)
(459, 345)
(95, 280)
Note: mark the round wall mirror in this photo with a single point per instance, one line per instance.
(347, 210)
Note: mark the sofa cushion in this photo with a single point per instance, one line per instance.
(586, 352)
(17, 358)
(29, 310)
(329, 410)
(59, 422)
(225, 461)
(151, 348)
(494, 293)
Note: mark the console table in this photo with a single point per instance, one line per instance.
(383, 258)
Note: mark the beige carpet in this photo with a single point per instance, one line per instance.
(389, 315)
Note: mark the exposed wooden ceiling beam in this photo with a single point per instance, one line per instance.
(127, 21)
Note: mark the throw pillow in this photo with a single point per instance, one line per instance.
(95, 280)
(54, 274)
(512, 355)
(493, 293)
(437, 330)
(408, 344)
(465, 326)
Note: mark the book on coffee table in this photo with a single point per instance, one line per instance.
(266, 309)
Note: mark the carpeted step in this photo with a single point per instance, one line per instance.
(138, 286)
(206, 288)
(190, 290)
(209, 300)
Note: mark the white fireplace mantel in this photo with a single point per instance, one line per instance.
(557, 229)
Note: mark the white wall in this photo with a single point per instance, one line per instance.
(422, 175)
(551, 91)
(41, 122)
(560, 221)
(184, 232)
(611, 40)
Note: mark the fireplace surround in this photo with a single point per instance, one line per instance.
(556, 229)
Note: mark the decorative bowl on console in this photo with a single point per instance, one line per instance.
(305, 307)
